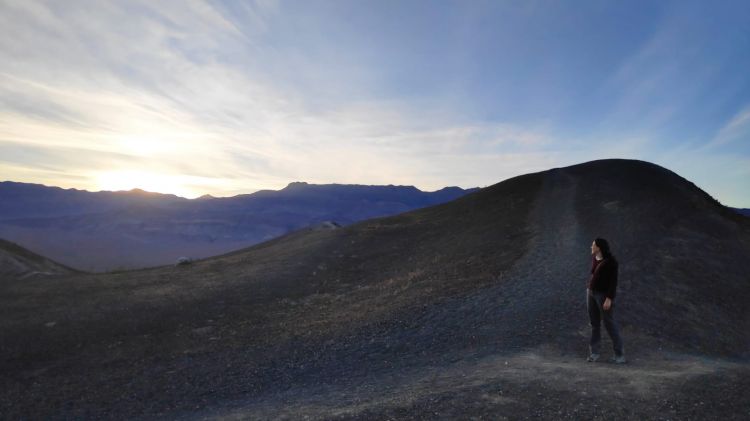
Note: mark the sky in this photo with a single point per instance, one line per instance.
(224, 98)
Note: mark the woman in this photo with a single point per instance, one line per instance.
(601, 293)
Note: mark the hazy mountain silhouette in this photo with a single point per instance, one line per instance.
(117, 230)
(472, 308)
(25, 200)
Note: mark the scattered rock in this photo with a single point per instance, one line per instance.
(326, 225)
(203, 330)
(183, 261)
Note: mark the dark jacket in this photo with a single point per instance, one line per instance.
(604, 276)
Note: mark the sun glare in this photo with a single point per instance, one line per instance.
(144, 180)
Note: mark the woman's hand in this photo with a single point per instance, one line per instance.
(607, 304)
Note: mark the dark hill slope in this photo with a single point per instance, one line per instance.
(337, 323)
(17, 262)
(685, 258)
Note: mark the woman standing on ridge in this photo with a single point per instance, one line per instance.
(600, 294)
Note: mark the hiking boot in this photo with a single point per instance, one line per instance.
(593, 358)
(618, 359)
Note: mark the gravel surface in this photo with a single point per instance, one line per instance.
(474, 309)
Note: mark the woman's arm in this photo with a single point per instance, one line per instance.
(612, 288)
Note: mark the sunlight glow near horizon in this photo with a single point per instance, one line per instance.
(144, 180)
(224, 98)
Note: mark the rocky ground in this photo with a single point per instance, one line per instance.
(537, 383)
(470, 310)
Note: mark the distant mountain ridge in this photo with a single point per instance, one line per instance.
(131, 229)
(23, 200)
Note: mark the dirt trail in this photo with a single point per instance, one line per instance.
(536, 382)
(546, 296)
(542, 297)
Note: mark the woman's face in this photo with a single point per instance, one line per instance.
(594, 248)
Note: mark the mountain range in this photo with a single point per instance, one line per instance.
(104, 231)
(474, 308)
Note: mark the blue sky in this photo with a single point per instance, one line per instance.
(231, 97)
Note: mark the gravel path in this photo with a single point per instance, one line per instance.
(534, 384)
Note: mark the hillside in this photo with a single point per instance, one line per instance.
(136, 229)
(472, 308)
(18, 263)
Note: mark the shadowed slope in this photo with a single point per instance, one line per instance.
(495, 273)
(17, 262)
(684, 257)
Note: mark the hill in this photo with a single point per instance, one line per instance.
(472, 308)
(136, 229)
(18, 263)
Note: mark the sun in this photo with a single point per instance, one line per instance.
(144, 180)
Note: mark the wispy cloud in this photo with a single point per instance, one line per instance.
(736, 129)
(231, 97)
(159, 90)
(682, 75)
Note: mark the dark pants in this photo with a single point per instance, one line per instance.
(595, 301)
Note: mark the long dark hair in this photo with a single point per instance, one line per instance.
(604, 247)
